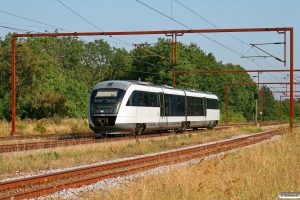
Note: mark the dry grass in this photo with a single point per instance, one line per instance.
(259, 172)
(45, 126)
(29, 161)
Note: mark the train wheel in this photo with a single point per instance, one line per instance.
(184, 126)
(212, 126)
(138, 129)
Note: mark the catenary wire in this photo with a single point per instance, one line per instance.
(204, 35)
(99, 28)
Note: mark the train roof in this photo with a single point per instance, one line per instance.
(125, 84)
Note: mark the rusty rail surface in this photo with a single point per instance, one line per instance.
(46, 184)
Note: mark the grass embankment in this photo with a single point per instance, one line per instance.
(28, 161)
(259, 172)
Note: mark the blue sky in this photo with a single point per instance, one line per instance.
(142, 15)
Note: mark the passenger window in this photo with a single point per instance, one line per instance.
(151, 99)
(141, 99)
(146, 99)
(130, 101)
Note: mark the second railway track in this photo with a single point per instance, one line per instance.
(87, 138)
(69, 142)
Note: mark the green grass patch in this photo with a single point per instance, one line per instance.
(252, 129)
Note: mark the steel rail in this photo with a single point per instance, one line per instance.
(47, 136)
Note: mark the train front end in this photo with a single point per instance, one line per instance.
(104, 104)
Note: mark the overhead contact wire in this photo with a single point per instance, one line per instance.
(203, 35)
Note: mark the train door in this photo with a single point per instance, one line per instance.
(163, 119)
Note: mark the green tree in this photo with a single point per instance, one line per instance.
(270, 107)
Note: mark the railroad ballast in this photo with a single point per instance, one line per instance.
(122, 107)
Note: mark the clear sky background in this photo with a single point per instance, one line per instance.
(131, 15)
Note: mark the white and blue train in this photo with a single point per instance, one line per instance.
(121, 107)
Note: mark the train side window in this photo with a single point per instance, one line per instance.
(179, 106)
(171, 111)
(141, 98)
(166, 102)
(162, 103)
(201, 107)
(195, 106)
(151, 100)
(146, 99)
(189, 106)
(156, 101)
(175, 105)
(130, 101)
(204, 105)
(183, 105)
(168, 105)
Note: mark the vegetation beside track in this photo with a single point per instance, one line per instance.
(45, 126)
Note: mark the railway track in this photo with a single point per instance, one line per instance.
(60, 136)
(48, 136)
(61, 143)
(46, 184)
(88, 138)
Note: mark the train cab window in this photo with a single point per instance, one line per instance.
(104, 95)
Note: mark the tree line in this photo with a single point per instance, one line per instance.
(55, 76)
